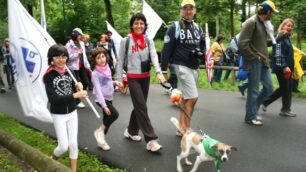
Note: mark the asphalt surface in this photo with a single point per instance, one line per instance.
(277, 146)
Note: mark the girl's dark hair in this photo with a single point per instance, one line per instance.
(138, 16)
(95, 52)
(219, 38)
(57, 50)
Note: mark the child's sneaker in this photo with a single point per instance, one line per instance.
(99, 135)
(153, 146)
(103, 145)
(135, 138)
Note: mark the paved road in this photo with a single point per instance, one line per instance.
(278, 146)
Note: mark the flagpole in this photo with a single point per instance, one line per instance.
(87, 99)
(65, 22)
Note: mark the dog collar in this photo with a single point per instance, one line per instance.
(208, 144)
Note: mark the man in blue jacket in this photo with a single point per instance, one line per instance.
(184, 45)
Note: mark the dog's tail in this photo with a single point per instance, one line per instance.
(175, 122)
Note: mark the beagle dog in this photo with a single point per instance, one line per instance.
(208, 149)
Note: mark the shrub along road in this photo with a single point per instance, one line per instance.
(277, 146)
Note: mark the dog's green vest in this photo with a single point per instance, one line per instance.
(208, 143)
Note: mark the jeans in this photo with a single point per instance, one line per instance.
(258, 73)
(244, 85)
(217, 72)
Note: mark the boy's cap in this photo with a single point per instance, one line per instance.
(269, 5)
(187, 2)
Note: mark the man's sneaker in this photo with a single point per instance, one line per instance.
(3, 90)
(259, 118)
(153, 146)
(81, 105)
(254, 122)
(135, 138)
(288, 114)
(264, 108)
(241, 90)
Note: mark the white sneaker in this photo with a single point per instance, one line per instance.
(135, 138)
(99, 135)
(103, 145)
(153, 146)
(100, 138)
(81, 105)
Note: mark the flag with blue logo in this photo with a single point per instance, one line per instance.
(29, 47)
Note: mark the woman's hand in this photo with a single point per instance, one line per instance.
(161, 78)
(107, 111)
(210, 64)
(79, 86)
(80, 94)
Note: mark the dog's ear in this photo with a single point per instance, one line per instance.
(215, 147)
(233, 148)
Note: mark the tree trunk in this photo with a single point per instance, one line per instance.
(232, 4)
(217, 25)
(30, 9)
(109, 15)
(243, 12)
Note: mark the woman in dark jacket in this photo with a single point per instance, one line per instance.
(282, 66)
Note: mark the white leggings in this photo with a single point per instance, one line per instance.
(66, 129)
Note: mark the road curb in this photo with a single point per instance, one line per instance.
(32, 156)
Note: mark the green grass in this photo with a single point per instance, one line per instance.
(6, 164)
(231, 85)
(46, 144)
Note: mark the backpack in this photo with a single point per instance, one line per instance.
(127, 45)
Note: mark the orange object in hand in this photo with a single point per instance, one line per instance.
(287, 75)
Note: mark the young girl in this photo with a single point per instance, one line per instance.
(62, 93)
(103, 89)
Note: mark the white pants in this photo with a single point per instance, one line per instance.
(66, 129)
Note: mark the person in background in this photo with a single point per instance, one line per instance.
(88, 47)
(103, 90)
(283, 66)
(104, 43)
(253, 45)
(2, 85)
(78, 61)
(218, 51)
(138, 55)
(112, 43)
(7, 63)
(63, 103)
(298, 70)
(184, 47)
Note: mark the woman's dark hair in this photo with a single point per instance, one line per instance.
(57, 50)
(138, 16)
(95, 52)
(74, 37)
(219, 38)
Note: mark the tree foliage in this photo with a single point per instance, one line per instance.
(223, 16)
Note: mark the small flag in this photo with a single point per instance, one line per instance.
(153, 20)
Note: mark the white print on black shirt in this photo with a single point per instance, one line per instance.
(62, 85)
(186, 37)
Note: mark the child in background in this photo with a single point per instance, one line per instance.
(62, 93)
(103, 88)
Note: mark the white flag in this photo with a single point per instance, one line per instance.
(116, 37)
(43, 22)
(29, 47)
(153, 20)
